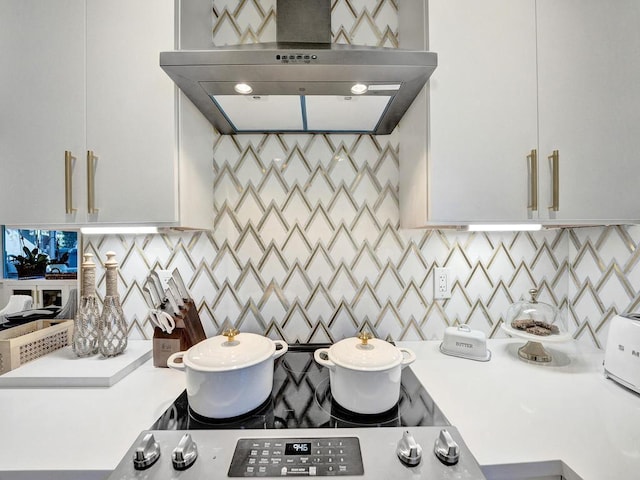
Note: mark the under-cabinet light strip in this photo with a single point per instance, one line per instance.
(118, 230)
(504, 227)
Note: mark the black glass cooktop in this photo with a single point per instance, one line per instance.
(301, 398)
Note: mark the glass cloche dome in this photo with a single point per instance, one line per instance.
(536, 318)
(536, 322)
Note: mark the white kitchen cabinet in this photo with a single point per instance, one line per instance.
(589, 107)
(482, 115)
(42, 104)
(146, 168)
(515, 77)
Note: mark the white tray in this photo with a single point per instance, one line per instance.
(62, 368)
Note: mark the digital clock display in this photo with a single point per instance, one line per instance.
(297, 448)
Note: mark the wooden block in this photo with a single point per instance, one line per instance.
(194, 325)
(165, 344)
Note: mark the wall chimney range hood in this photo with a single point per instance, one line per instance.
(302, 83)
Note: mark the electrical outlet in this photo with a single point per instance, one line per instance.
(441, 283)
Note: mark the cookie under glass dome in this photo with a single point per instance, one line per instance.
(537, 322)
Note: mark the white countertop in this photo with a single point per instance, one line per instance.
(508, 412)
(83, 429)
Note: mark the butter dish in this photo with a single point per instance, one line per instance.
(464, 342)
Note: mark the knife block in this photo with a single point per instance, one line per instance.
(166, 344)
(187, 333)
(192, 322)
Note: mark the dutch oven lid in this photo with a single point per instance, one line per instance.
(365, 353)
(230, 351)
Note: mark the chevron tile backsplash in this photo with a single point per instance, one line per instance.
(307, 247)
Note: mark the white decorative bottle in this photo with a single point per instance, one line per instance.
(85, 326)
(112, 328)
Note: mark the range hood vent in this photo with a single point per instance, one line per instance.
(304, 86)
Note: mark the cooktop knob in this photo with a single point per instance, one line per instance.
(409, 451)
(446, 449)
(147, 452)
(185, 453)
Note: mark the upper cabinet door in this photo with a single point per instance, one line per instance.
(482, 120)
(589, 91)
(84, 75)
(42, 100)
(131, 119)
(483, 109)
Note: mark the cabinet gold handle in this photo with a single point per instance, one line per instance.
(532, 162)
(555, 181)
(68, 182)
(91, 182)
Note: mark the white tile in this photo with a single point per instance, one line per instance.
(343, 324)
(297, 287)
(412, 303)
(342, 247)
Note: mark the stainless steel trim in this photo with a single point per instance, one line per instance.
(321, 70)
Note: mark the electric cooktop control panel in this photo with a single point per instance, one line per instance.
(291, 457)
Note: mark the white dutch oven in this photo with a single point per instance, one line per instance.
(230, 374)
(365, 372)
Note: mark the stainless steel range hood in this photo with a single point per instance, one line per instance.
(309, 85)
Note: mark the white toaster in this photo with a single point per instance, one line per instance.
(622, 353)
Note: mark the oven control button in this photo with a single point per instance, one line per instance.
(409, 451)
(147, 452)
(446, 449)
(185, 453)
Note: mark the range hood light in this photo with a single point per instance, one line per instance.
(243, 88)
(384, 88)
(359, 89)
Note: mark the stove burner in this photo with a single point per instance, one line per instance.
(343, 417)
(300, 362)
(301, 398)
(260, 417)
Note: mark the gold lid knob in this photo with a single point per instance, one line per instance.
(365, 337)
(231, 333)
